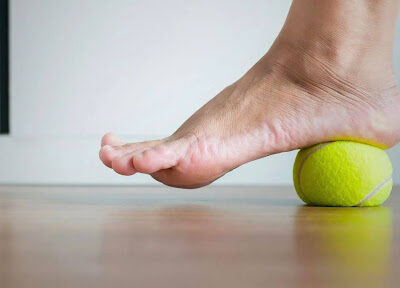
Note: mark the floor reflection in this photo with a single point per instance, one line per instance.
(184, 243)
(55, 244)
(348, 247)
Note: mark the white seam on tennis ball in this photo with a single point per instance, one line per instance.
(312, 151)
(374, 191)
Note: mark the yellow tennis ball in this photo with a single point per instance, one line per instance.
(343, 173)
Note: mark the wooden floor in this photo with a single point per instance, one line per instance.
(214, 237)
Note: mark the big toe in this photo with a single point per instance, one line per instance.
(107, 155)
(123, 165)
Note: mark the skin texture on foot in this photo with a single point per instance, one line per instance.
(296, 96)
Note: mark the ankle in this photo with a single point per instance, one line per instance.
(340, 35)
(307, 62)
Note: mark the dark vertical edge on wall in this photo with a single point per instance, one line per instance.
(4, 67)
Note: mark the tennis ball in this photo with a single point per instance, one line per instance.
(343, 173)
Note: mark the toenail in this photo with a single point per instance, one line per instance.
(107, 147)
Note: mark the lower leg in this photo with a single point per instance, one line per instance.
(352, 35)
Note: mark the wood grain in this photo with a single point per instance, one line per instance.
(212, 237)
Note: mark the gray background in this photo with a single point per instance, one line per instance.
(138, 68)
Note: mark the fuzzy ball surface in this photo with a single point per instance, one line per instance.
(343, 173)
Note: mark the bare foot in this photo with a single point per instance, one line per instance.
(311, 87)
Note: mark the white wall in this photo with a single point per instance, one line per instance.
(138, 68)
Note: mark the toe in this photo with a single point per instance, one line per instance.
(107, 155)
(111, 139)
(123, 165)
(136, 146)
(154, 159)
